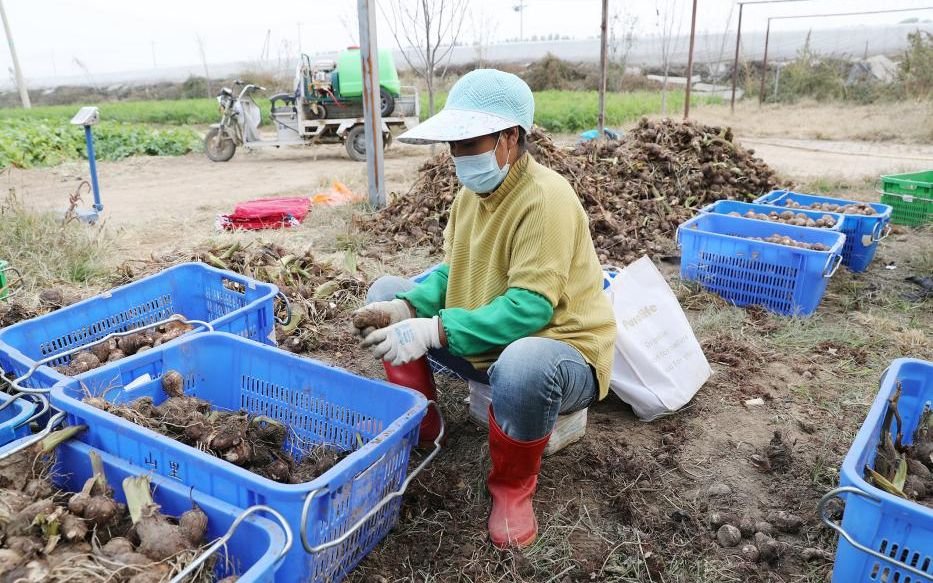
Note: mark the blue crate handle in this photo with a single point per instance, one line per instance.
(838, 261)
(26, 442)
(15, 384)
(222, 541)
(6, 288)
(288, 309)
(821, 509)
(372, 512)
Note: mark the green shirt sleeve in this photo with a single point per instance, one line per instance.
(515, 314)
(429, 297)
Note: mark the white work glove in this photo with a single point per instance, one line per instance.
(391, 312)
(406, 341)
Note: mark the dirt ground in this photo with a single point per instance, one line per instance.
(148, 197)
(632, 501)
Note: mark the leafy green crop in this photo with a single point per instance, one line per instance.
(38, 142)
(169, 112)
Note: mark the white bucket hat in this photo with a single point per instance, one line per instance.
(482, 102)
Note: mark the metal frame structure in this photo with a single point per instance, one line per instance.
(603, 69)
(738, 38)
(764, 66)
(693, 30)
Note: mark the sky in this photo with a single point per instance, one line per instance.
(74, 37)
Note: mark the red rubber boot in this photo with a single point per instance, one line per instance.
(418, 375)
(511, 483)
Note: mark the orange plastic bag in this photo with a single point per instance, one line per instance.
(338, 194)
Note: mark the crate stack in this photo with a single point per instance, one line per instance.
(228, 359)
(780, 251)
(911, 197)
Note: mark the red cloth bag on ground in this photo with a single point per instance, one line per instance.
(266, 213)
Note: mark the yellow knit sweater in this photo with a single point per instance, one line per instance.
(532, 233)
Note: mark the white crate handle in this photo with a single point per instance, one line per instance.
(835, 261)
(881, 231)
(372, 512)
(220, 542)
(42, 401)
(288, 309)
(821, 509)
(26, 442)
(15, 384)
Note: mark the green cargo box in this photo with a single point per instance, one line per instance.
(909, 210)
(910, 195)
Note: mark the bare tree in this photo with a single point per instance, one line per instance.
(426, 32)
(349, 21)
(207, 74)
(670, 23)
(621, 38)
(484, 28)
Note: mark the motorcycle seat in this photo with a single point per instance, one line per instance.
(287, 98)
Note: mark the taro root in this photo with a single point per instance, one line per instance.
(115, 355)
(95, 501)
(88, 358)
(73, 528)
(193, 525)
(102, 350)
(159, 539)
(173, 384)
(118, 545)
(131, 343)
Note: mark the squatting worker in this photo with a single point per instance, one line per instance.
(518, 301)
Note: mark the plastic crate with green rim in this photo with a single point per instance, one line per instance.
(910, 195)
(909, 210)
(6, 283)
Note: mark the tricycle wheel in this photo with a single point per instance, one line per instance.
(386, 102)
(218, 146)
(356, 143)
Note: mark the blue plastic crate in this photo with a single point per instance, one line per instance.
(862, 232)
(716, 253)
(884, 537)
(228, 301)
(253, 550)
(724, 207)
(14, 417)
(319, 404)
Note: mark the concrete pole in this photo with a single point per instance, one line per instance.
(20, 82)
(693, 31)
(764, 65)
(603, 69)
(372, 111)
(735, 62)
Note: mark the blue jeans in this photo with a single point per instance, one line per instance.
(533, 381)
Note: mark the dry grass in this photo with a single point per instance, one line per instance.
(49, 250)
(903, 121)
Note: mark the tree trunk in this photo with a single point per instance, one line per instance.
(430, 83)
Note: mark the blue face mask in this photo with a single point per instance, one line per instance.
(481, 172)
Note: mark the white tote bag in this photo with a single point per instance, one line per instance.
(658, 365)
